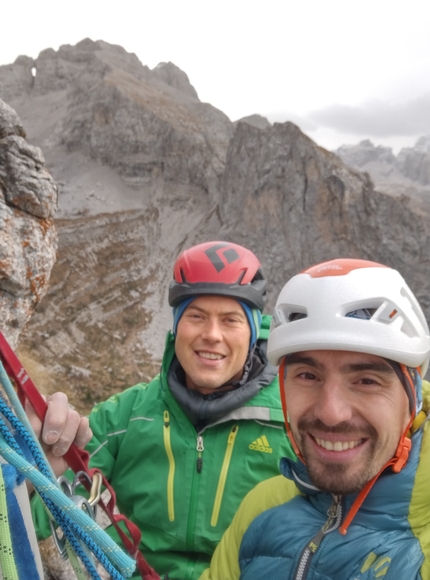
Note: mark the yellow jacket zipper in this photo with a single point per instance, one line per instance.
(171, 476)
(223, 475)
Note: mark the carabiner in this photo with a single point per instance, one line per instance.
(88, 505)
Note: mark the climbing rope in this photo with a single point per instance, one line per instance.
(7, 559)
(77, 459)
(21, 449)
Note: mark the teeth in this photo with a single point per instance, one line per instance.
(337, 445)
(211, 355)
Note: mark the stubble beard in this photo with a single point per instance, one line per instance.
(333, 477)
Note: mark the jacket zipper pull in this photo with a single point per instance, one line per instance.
(334, 517)
(200, 448)
(334, 514)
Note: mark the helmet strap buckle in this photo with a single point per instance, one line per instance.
(402, 454)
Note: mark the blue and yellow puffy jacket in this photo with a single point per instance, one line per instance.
(389, 537)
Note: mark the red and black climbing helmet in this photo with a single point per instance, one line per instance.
(218, 268)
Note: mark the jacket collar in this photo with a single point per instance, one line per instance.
(390, 499)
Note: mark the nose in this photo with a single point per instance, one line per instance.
(212, 330)
(332, 405)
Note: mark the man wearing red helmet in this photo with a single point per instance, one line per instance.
(352, 343)
(182, 451)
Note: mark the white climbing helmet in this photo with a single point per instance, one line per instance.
(352, 305)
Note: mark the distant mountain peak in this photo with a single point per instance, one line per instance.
(408, 172)
(256, 121)
(173, 76)
(423, 144)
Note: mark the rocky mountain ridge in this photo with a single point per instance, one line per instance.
(407, 173)
(96, 105)
(146, 169)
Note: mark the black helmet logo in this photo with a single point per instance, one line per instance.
(230, 255)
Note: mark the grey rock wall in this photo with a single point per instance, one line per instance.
(28, 239)
(296, 204)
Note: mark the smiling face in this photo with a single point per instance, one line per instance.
(347, 413)
(212, 343)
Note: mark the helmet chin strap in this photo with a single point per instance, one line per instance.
(405, 444)
(397, 462)
(285, 410)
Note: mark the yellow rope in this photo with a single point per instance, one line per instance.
(7, 561)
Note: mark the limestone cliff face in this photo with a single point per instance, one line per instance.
(28, 240)
(98, 103)
(145, 170)
(297, 204)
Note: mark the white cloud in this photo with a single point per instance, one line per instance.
(377, 118)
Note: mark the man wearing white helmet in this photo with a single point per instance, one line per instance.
(352, 343)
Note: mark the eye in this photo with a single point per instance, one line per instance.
(368, 381)
(232, 320)
(304, 375)
(194, 315)
(307, 375)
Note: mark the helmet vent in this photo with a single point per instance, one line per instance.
(258, 275)
(241, 277)
(414, 305)
(386, 314)
(296, 316)
(361, 313)
(284, 314)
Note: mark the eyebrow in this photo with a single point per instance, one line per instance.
(381, 367)
(372, 366)
(238, 312)
(294, 359)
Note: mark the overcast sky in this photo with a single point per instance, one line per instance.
(342, 70)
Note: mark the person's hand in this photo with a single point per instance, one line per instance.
(62, 427)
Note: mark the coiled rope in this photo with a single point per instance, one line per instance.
(21, 449)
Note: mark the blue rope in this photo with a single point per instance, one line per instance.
(67, 526)
(65, 522)
(33, 449)
(80, 526)
(85, 527)
(20, 413)
(70, 528)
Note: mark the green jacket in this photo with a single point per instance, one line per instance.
(182, 488)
